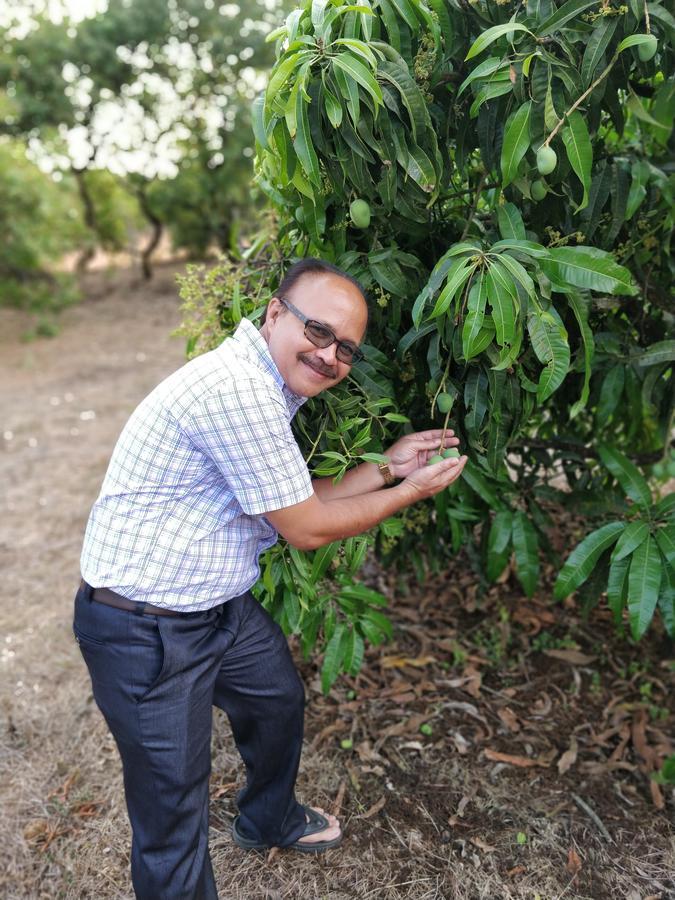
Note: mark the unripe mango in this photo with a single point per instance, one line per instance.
(359, 212)
(546, 160)
(436, 458)
(451, 453)
(538, 189)
(444, 403)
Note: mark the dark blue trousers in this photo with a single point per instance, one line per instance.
(155, 679)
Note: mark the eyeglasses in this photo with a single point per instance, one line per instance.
(321, 336)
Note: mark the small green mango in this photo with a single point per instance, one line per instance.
(444, 403)
(359, 212)
(451, 453)
(538, 189)
(436, 458)
(546, 160)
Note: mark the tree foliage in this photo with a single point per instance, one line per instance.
(531, 286)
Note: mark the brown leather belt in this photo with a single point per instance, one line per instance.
(110, 598)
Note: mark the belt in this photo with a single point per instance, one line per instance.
(110, 598)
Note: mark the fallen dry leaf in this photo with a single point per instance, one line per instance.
(482, 845)
(398, 662)
(516, 870)
(571, 656)
(509, 718)
(573, 862)
(374, 809)
(524, 762)
(569, 757)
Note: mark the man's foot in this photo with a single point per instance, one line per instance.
(328, 834)
(322, 832)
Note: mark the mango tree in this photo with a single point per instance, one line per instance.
(497, 178)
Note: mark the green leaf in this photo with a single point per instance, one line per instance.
(579, 151)
(627, 474)
(475, 399)
(597, 271)
(662, 351)
(457, 277)
(499, 541)
(473, 321)
(633, 40)
(525, 548)
(665, 537)
(492, 34)
(333, 107)
(579, 306)
(354, 653)
(516, 142)
(412, 97)
(322, 560)
(666, 599)
(480, 485)
(632, 537)
(483, 71)
(561, 16)
(610, 394)
(644, 582)
(617, 587)
(501, 305)
(334, 656)
(355, 68)
(595, 48)
(582, 559)
(551, 347)
(303, 142)
(510, 222)
(282, 72)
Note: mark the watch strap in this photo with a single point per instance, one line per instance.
(385, 472)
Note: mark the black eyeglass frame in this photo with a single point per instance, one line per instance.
(356, 354)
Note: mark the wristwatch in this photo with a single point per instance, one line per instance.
(385, 472)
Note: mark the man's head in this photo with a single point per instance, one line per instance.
(319, 292)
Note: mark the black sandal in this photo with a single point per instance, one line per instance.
(316, 823)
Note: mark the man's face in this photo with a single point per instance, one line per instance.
(334, 302)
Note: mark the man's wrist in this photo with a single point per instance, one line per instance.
(387, 475)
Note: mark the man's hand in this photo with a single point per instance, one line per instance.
(430, 480)
(413, 451)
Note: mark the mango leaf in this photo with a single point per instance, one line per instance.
(666, 601)
(579, 306)
(595, 48)
(480, 485)
(579, 152)
(458, 275)
(516, 142)
(633, 40)
(510, 222)
(552, 349)
(610, 394)
(561, 16)
(596, 271)
(526, 550)
(475, 399)
(334, 656)
(354, 652)
(492, 34)
(627, 474)
(322, 560)
(303, 144)
(484, 70)
(617, 587)
(632, 537)
(662, 351)
(411, 95)
(582, 559)
(473, 321)
(665, 537)
(361, 75)
(501, 304)
(644, 582)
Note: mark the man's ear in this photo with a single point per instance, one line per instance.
(274, 308)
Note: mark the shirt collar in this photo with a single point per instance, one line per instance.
(255, 347)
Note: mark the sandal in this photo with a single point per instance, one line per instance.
(316, 822)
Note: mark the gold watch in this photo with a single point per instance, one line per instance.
(385, 472)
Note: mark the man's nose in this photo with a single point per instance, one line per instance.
(328, 354)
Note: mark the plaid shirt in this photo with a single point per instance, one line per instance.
(180, 518)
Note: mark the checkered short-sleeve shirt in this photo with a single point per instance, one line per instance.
(180, 518)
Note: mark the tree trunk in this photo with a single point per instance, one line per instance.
(157, 231)
(89, 219)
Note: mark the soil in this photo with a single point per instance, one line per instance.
(498, 747)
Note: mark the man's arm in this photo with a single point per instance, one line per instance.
(316, 522)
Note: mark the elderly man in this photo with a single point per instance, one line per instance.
(204, 477)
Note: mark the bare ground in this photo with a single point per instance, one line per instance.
(530, 777)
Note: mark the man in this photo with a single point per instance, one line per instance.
(204, 476)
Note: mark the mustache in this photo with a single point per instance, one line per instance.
(318, 365)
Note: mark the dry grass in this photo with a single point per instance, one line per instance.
(64, 832)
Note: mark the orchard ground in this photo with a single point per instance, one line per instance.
(499, 747)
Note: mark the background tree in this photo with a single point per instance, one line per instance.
(498, 178)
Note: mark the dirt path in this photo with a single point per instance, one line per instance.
(429, 813)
